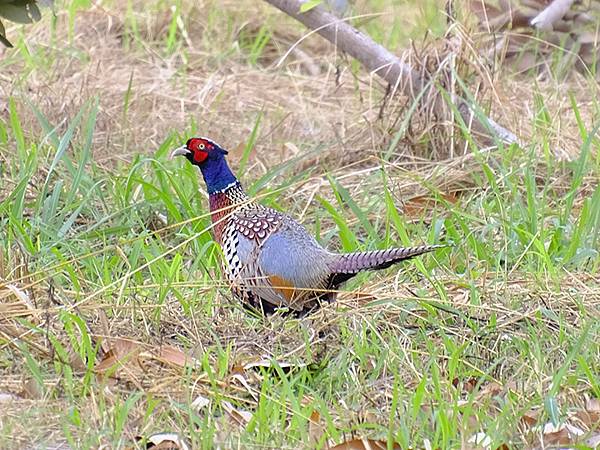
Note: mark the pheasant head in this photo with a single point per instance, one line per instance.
(210, 158)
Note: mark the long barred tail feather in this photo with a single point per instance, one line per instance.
(349, 264)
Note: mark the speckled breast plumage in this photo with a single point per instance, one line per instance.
(233, 215)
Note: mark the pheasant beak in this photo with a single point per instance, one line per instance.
(180, 151)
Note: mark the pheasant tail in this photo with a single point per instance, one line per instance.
(349, 264)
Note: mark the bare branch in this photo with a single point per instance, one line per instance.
(382, 62)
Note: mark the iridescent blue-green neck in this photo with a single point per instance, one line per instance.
(217, 175)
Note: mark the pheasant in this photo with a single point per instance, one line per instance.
(271, 261)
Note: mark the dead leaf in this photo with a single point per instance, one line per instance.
(32, 389)
(240, 416)
(315, 428)
(200, 402)
(422, 203)
(238, 369)
(21, 295)
(530, 418)
(174, 356)
(480, 440)
(105, 324)
(120, 353)
(165, 441)
(76, 362)
(590, 416)
(470, 384)
(489, 390)
(246, 378)
(560, 434)
(267, 363)
(594, 441)
(558, 437)
(14, 302)
(244, 382)
(6, 397)
(363, 444)
(467, 385)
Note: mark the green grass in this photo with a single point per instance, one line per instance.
(466, 340)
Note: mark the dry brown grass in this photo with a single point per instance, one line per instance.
(312, 100)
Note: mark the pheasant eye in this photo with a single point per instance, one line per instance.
(201, 146)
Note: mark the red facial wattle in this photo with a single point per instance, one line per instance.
(200, 156)
(199, 149)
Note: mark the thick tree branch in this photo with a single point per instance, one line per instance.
(380, 61)
(348, 39)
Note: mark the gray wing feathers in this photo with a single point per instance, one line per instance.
(290, 254)
(299, 261)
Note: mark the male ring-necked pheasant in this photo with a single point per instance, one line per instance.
(271, 260)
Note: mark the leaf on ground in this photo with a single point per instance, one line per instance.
(563, 434)
(316, 429)
(200, 402)
(268, 363)
(6, 397)
(21, 295)
(531, 417)
(246, 378)
(467, 385)
(165, 441)
(560, 436)
(76, 361)
(363, 444)
(417, 205)
(480, 440)
(131, 356)
(489, 390)
(239, 416)
(594, 441)
(121, 352)
(238, 369)
(174, 356)
(241, 379)
(23, 306)
(32, 389)
(590, 416)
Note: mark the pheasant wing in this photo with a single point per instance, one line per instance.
(276, 260)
